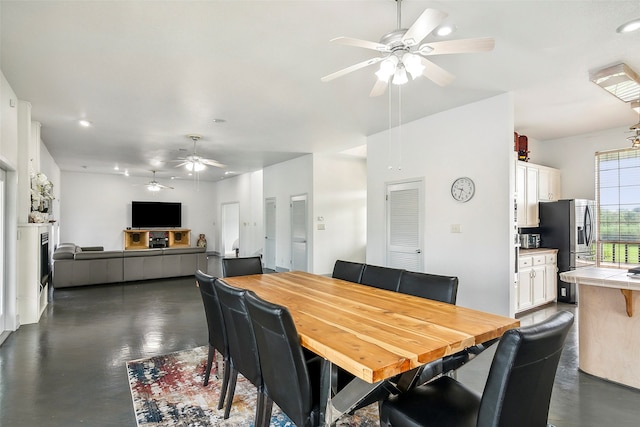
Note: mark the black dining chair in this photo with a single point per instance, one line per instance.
(243, 351)
(217, 331)
(381, 277)
(517, 391)
(241, 266)
(430, 286)
(348, 270)
(290, 380)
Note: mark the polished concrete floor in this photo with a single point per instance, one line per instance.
(69, 369)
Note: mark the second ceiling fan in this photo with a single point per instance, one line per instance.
(403, 52)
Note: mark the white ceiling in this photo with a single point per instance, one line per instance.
(147, 73)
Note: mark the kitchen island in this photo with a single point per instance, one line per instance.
(609, 328)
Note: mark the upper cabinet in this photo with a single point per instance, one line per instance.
(548, 184)
(534, 183)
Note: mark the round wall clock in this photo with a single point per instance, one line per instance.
(463, 189)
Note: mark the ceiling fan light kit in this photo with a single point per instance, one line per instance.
(405, 53)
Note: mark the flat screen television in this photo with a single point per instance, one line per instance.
(156, 214)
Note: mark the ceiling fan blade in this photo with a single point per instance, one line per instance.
(379, 88)
(436, 73)
(483, 44)
(182, 164)
(212, 162)
(351, 69)
(166, 187)
(349, 41)
(426, 23)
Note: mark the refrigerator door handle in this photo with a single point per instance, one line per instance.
(588, 225)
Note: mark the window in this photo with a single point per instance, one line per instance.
(618, 199)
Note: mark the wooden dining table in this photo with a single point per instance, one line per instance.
(372, 333)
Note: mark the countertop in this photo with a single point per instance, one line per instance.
(604, 277)
(536, 251)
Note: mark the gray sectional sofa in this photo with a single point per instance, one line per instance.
(79, 266)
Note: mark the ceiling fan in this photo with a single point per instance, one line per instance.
(403, 52)
(195, 163)
(154, 185)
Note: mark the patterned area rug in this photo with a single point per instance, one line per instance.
(167, 391)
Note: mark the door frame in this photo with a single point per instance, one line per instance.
(421, 220)
(299, 197)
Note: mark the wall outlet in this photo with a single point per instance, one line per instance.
(563, 292)
(456, 228)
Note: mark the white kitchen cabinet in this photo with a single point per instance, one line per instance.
(548, 184)
(536, 278)
(551, 277)
(534, 183)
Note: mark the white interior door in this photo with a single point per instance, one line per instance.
(404, 225)
(3, 299)
(230, 228)
(270, 233)
(299, 233)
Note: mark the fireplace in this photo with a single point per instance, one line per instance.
(45, 263)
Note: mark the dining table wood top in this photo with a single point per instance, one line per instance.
(372, 333)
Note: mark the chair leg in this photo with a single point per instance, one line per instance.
(267, 406)
(225, 382)
(210, 357)
(231, 392)
(259, 408)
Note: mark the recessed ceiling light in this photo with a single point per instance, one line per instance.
(84, 123)
(219, 120)
(116, 168)
(629, 26)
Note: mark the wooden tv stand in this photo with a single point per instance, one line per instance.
(157, 238)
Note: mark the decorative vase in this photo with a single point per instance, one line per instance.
(38, 217)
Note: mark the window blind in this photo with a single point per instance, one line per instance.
(618, 199)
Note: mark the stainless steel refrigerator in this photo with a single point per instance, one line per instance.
(569, 226)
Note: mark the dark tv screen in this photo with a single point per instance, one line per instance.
(156, 214)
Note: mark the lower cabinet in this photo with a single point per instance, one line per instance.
(536, 280)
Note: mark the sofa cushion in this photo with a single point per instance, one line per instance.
(98, 254)
(65, 252)
(177, 251)
(142, 253)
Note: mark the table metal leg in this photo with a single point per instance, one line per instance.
(334, 405)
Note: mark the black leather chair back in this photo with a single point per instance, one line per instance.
(215, 321)
(241, 266)
(243, 352)
(381, 277)
(348, 270)
(431, 286)
(284, 369)
(520, 381)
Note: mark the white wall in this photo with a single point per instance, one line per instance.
(476, 141)
(340, 200)
(96, 208)
(8, 125)
(246, 190)
(281, 181)
(9, 163)
(575, 157)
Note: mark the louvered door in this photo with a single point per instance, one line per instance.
(404, 225)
